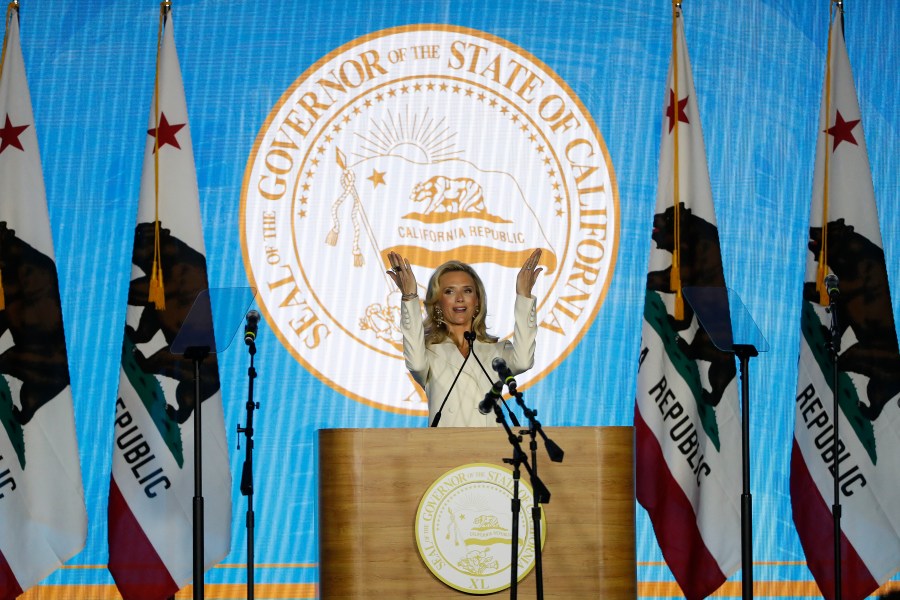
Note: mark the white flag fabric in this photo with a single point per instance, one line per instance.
(152, 486)
(845, 240)
(43, 521)
(687, 424)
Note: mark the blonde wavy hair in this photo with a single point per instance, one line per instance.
(436, 332)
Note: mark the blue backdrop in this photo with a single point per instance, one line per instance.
(758, 69)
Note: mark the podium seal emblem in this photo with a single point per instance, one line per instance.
(437, 142)
(464, 528)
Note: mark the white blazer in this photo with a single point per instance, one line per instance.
(434, 367)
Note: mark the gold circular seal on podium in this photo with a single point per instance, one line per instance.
(437, 142)
(464, 528)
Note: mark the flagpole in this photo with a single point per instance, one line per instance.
(834, 340)
(11, 7)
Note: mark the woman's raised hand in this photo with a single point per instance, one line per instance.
(528, 274)
(402, 274)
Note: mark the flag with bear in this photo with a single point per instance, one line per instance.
(845, 240)
(687, 424)
(43, 521)
(152, 485)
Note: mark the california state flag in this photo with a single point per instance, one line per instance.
(152, 486)
(844, 239)
(42, 515)
(686, 417)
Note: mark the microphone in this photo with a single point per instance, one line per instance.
(505, 374)
(490, 399)
(831, 286)
(252, 327)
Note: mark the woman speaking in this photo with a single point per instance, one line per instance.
(437, 353)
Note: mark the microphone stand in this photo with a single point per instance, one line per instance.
(247, 473)
(470, 336)
(197, 354)
(834, 349)
(541, 494)
(556, 455)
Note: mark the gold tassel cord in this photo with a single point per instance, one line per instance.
(822, 268)
(156, 293)
(12, 7)
(675, 273)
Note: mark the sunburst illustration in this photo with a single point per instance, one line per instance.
(418, 139)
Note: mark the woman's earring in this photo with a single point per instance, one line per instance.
(438, 315)
(476, 311)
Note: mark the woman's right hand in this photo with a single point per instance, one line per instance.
(402, 274)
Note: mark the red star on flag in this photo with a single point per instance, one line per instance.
(165, 133)
(842, 131)
(670, 110)
(9, 135)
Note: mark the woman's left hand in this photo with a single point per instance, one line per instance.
(528, 274)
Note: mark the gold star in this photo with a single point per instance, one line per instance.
(368, 103)
(418, 87)
(559, 212)
(377, 177)
(430, 86)
(337, 128)
(443, 87)
(404, 89)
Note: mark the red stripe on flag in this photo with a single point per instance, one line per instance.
(815, 526)
(133, 562)
(9, 585)
(674, 521)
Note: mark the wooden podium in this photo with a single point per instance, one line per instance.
(371, 482)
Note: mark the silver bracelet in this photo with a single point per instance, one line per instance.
(406, 297)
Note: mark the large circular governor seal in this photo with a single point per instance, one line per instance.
(437, 142)
(464, 530)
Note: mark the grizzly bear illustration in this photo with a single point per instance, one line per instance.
(184, 277)
(864, 305)
(443, 194)
(701, 266)
(34, 319)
